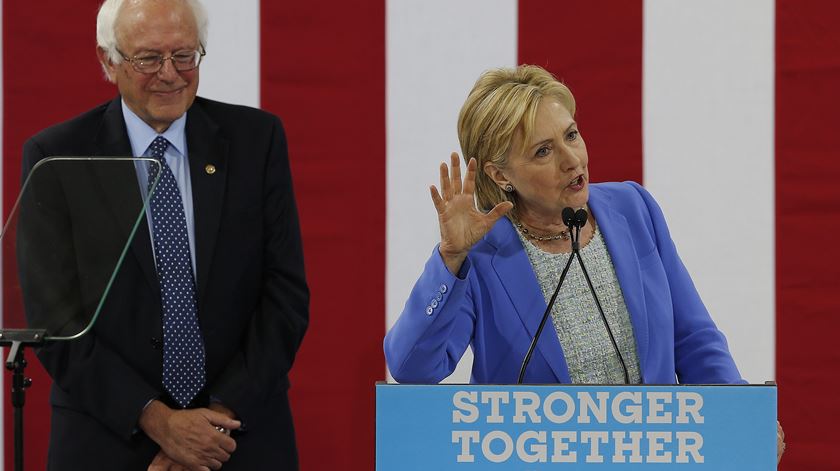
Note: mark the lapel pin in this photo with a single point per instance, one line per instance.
(210, 169)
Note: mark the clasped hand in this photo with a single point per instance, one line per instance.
(189, 439)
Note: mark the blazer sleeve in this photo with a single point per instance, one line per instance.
(435, 327)
(88, 369)
(260, 366)
(701, 353)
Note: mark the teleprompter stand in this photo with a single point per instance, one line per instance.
(17, 340)
(42, 232)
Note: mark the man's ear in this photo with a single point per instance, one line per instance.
(108, 67)
(496, 174)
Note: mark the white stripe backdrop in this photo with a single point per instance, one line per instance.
(708, 126)
(436, 50)
(231, 70)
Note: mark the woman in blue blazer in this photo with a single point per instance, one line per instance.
(486, 284)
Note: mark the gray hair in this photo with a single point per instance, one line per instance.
(106, 26)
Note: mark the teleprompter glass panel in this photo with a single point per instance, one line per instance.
(73, 225)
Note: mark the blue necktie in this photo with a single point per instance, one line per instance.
(183, 346)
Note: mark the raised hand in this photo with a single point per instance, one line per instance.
(461, 223)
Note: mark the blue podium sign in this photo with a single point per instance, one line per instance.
(541, 427)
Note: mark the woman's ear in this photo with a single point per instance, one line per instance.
(496, 174)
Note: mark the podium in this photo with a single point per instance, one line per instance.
(575, 427)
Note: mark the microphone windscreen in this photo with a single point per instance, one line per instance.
(580, 217)
(568, 216)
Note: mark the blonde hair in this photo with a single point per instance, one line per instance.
(501, 102)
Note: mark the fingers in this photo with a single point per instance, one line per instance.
(469, 181)
(445, 186)
(160, 463)
(456, 173)
(437, 200)
(780, 442)
(451, 185)
(228, 444)
(219, 450)
(217, 419)
(498, 211)
(194, 440)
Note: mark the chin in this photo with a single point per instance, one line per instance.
(169, 114)
(579, 200)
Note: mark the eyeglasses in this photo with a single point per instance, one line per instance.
(152, 63)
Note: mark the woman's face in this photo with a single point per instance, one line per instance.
(552, 171)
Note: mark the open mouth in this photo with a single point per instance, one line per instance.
(577, 183)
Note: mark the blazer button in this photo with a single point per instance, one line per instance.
(443, 288)
(156, 343)
(429, 310)
(434, 303)
(439, 296)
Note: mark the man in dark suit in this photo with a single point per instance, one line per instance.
(189, 344)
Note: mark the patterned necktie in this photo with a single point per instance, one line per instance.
(183, 346)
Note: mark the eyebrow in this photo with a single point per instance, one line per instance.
(155, 51)
(543, 141)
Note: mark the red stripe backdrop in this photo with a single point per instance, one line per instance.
(323, 72)
(596, 49)
(808, 213)
(50, 73)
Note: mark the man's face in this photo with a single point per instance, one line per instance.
(155, 27)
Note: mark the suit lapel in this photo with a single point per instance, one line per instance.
(208, 154)
(120, 185)
(622, 250)
(522, 287)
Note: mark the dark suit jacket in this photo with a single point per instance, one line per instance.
(252, 295)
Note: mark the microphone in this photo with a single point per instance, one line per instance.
(569, 219)
(579, 220)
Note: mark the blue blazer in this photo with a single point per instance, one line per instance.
(495, 304)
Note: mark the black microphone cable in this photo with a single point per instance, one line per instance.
(569, 220)
(579, 221)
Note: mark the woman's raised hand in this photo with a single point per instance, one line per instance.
(461, 223)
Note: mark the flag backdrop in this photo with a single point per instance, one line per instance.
(726, 111)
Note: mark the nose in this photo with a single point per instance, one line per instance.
(568, 159)
(167, 71)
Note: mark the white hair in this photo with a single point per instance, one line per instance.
(106, 27)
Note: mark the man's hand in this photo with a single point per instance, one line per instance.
(780, 442)
(222, 409)
(163, 462)
(189, 437)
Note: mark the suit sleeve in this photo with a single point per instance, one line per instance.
(95, 377)
(701, 353)
(275, 330)
(435, 327)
